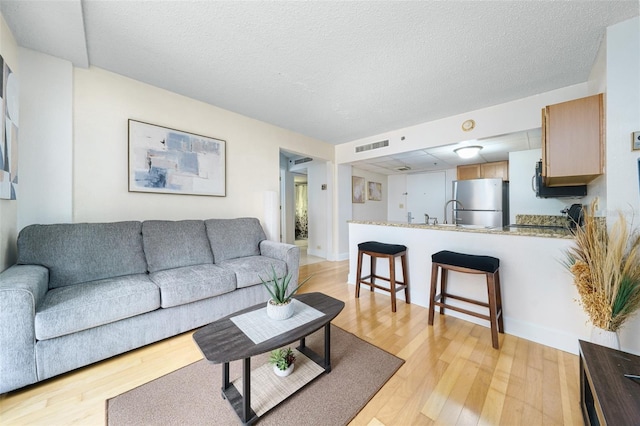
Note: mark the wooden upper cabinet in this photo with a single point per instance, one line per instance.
(471, 171)
(497, 169)
(573, 141)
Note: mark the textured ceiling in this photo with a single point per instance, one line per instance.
(335, 71)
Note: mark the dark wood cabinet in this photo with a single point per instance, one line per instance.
(607, 397)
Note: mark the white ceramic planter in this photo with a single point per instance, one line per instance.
(283, 373)
(605, 338)
(280, 312)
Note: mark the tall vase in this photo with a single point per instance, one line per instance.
(605, 338)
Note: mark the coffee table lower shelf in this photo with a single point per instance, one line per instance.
(269, 390)
(223, 341)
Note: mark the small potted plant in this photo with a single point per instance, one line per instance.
(283, 361)
(279, 307)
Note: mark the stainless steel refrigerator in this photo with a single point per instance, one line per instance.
(482, 202)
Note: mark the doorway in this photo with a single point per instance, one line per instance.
(303, 186)
(301, 205)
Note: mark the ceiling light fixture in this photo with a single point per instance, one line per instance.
(468, 151)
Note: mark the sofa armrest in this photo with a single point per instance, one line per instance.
(288, 253)
(22, 288)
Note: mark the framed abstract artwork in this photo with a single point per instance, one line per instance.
(357, 189)
(375, 191)
(9, 110)
(170, 161)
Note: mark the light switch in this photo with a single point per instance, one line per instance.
(636, 140)
(401, 206)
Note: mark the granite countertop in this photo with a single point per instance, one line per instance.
(528, 225)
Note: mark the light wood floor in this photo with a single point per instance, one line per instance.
(452, 375)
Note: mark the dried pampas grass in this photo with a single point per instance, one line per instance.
(606, 270)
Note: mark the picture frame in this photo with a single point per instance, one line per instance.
(357, 189)
(9, 112)
(170, 161)
(374, 191)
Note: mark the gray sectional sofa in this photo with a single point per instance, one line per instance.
(84, 292)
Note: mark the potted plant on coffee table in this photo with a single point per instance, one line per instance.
(283, 361)
(280, 306)
(606, 271)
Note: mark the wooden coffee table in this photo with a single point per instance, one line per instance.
(223, 341)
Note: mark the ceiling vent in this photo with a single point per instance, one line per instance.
(303, 160)
(370, 146)
(403, 169)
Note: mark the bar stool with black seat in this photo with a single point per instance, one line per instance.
(470, 264)
(376, 250)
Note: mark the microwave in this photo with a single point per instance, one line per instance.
(543, 191)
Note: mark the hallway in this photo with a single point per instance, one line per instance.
(306, 259)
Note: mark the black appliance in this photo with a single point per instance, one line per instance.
(575, 215)
(543, 191)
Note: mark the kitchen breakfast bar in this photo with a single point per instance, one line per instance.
(538, 295)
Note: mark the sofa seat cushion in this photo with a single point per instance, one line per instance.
(248, 270)
(192, 283)
(70, 309)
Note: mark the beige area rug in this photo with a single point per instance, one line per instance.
(191, 395)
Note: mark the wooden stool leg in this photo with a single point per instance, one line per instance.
(359, 273)
(499, 300)
(392, 281)
(444, 273)
(372, 267)
(493, 311)
(405, 278)
(432, 295)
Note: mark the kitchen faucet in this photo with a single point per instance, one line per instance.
(453, 219)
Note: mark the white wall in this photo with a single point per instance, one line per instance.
(398, 198)
(370, 210)
(46, 139)
(598, 76)
(104, 101)
(623, 118)
(320, 208)
(510, 117)
(623, 115)
(9, 208)
(344, 212)
(287, 194)
(397, 194)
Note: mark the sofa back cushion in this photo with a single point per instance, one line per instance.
(80, 252)
(233, 238)
(169, 244)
